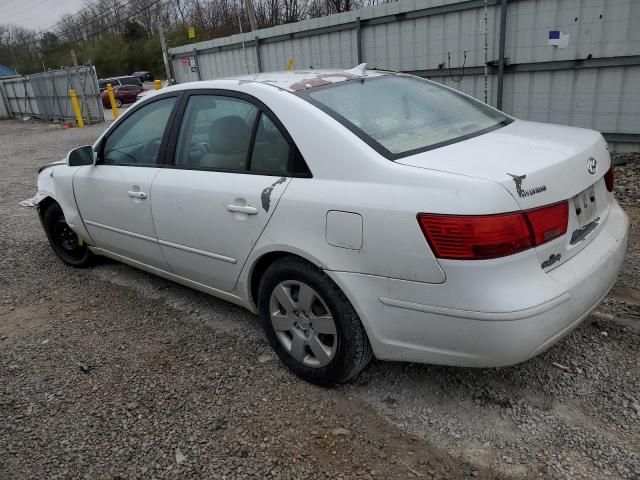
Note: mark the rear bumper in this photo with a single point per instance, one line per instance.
(489, 313)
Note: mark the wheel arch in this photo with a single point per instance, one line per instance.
(45, 203)
(263, 261)
(55, 185)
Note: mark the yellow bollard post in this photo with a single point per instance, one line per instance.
(112, 100)
(158, 84)
(76, 108)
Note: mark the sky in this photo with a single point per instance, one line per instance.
(37, 14)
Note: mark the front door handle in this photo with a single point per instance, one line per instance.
(248, 209)
(140, 195)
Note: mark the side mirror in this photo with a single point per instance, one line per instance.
(81, 156)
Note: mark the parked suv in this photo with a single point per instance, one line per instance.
(143, 76)
(116, 81)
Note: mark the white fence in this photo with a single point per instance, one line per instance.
(46, 95)
(588, 76)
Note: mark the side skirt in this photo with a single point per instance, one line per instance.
(229, 297)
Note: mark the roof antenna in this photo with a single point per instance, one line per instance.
(359, 71)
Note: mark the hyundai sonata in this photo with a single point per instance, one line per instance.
(359, 213)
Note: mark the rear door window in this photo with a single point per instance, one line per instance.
(271, 151)
(228, 133)
(216, 133)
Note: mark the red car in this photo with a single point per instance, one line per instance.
(122, 94)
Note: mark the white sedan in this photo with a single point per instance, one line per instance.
(358, 213)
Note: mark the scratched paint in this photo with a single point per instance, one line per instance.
(265, 197)
(321, 79)
(308, 83)
(581, 233)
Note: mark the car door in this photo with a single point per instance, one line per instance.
(114, 195)
(232, 162)
(128, 93)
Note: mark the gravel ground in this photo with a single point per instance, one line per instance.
(113, 373)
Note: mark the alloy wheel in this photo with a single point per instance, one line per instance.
(303, 323)
(64, 236)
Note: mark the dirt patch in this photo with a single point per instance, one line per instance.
(23, 321)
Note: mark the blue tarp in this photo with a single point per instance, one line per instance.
(6, 71)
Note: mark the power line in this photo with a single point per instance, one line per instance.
(112, 9)
(129, 17)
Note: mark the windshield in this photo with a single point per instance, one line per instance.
(400, 115)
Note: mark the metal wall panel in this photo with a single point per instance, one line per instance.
(600, 28)
(425, 43)
(594, 82)
(328, 50)
(606, 99)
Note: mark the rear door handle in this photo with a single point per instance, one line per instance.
(248, 209)
(140, 195)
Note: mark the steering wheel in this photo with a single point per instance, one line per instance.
(151, 151)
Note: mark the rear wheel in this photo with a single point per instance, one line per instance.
(118, 102)
(65, 242)
(310, 323)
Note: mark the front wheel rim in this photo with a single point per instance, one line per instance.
(303, 323)
(67, 240)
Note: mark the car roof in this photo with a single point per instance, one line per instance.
(291, 81)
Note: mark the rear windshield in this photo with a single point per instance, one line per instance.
(400, 116)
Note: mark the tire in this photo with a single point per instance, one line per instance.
(293, 281)
(65, 242)
(118, 102)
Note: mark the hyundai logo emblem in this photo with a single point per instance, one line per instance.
(592, 165)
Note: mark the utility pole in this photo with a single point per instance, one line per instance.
(251, 13)
(165, 56)
(244, 50)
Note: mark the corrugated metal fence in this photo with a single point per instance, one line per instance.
(46, 95)
(574, 62)
(4, 104)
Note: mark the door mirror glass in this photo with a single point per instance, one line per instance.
(80, 156)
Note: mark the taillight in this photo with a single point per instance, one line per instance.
(548, 222)
(475, 237)
(478, 237)
(608, 179)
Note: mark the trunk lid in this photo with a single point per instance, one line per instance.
(538, 164)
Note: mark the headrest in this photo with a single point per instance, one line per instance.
(229, 135)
